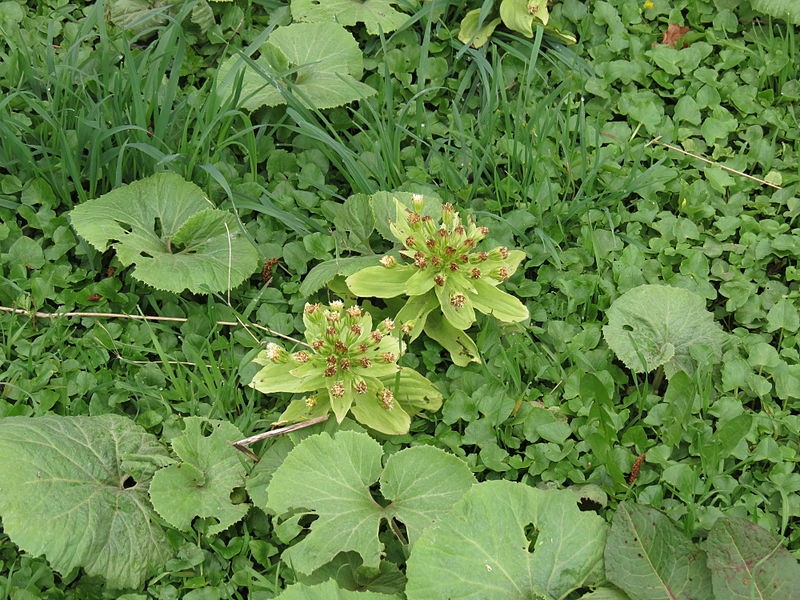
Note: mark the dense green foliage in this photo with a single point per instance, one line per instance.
(613, 163)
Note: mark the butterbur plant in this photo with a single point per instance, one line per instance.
(448, 272)
(347, 367)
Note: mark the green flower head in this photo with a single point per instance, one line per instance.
(447, 270)
(347, 367)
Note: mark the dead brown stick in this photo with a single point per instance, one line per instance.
(657, 140)
(241, 445)
(101, 315)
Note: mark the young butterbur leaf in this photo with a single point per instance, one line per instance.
(377, 15)
(320, 62)
(658, 325)
(331, 477)
(168, 229)
(67, 494)
(746, 562)
(480, 549)
(650, 559)
(201, 484)
(328, 590)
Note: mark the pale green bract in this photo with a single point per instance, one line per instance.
(480, 550)
(320, 63)
(446, 273)
(347, 367)
(75, 490)
(170, 231)
(331, 477)
(200, 485)
(377, 15)
(658, 325)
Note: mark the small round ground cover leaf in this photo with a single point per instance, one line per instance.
(329, 591)
(650, 559)
(65, 492)
(480, 549)
(378, 16)
(201, 484)
(654, 325)
(168, 229)
(331, 477)
(321, 62)
(747, 562)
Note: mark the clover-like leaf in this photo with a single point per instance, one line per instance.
(377, 15)
(746, 562)
(650, 559)
(169, 230)
(65, 493)
(201, 484)
(480, 549)
(331, 477)
(658, 325)
(320, 62)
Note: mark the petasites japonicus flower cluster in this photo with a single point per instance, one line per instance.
(447, 271)
(347, 367)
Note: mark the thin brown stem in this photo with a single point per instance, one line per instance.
(241, 445)
(102, 315)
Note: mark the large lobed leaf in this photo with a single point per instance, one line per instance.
(480, 549)
(658, 325)
(201, 484)
(69, 491)
(650, 559)
(377, 15)
(321, 62)
(331, 478)
(788, 10)
(168, 229)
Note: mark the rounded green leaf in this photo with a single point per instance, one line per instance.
(168, 229)
(377, 15)
(201, 484)
(654, 325)
(67, 491)
(322, 65)
(473, 32)
(480, 549)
